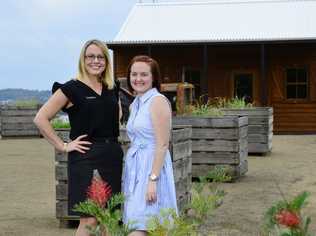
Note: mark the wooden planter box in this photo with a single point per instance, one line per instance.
(260, 127)
(218, 141)
(180, 149)
(18, 121)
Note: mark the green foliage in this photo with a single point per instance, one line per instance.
(219, 174)
(168, 223)
(205, 198)
(271, 225)
(237, 103)
(60, 124)
(203, 107)
(203, 204)
(27, 103)
(108, 218)
(232, 103)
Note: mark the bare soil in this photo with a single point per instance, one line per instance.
(27, 187)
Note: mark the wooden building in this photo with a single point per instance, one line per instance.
(263, 50)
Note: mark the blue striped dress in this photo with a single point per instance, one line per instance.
(138, 166)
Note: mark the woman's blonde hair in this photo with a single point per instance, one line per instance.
(106, 77)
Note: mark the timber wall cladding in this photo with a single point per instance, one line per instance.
(260, 127)
(218, 141)
(17, 121)
(295, 118)
(180, 150)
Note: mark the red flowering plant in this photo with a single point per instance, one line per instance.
(285, 218)
(105, 207)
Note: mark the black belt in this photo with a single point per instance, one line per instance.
(103, 140)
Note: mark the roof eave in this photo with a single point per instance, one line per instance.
(218, 41)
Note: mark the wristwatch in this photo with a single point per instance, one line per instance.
(153, 177)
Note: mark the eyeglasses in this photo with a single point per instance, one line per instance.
(93, 57)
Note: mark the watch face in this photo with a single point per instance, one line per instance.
(153, 177)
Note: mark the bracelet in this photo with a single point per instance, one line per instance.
(65, 147)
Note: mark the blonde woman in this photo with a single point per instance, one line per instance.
(92, 104)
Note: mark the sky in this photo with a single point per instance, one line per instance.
(41, 39)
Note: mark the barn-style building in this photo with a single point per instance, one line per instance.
(262, 49)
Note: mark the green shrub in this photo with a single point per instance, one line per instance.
(58, 123)
(230, 103)
(237, 103)
(168, 223)
(203, 107)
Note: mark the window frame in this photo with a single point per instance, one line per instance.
(307, 83)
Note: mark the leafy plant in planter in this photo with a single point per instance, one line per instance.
(233, 103)
(203, 107)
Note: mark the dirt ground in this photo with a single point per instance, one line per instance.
(27, 187)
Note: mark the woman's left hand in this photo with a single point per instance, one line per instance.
(151, 195)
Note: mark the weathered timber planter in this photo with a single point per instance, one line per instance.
(17, 121)
(180, 149)
(260, 127)
(217, 141)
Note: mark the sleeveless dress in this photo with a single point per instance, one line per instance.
(98, 117)
(138, 166)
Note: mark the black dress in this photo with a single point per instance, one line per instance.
(98, 117)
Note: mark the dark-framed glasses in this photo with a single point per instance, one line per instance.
(92, 57)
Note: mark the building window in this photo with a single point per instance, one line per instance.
(296, 83)
(193, 76)
(243, 83)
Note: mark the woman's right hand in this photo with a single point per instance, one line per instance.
(78, 145)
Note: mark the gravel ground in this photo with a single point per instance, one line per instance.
(27, 187)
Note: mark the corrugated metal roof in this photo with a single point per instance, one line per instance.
(219, 21)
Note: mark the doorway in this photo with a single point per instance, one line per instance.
(243, 86)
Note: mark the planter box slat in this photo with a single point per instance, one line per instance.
(182, 169)
(20, 112)
(17, 133)
(61, 172)
(19, 126)
(215, 158)
(224, 122)
(182, 150)
(181, 134)
(214, 146)
(259, 138)
(62, 191)
(17, 119)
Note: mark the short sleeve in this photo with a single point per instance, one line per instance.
(68, 89)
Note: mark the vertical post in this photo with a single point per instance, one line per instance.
(204, 80)
(263, 77)
(114, 64)
(149, 50)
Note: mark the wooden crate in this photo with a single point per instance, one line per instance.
(17, 121)
(217, 141)
(180, 149)
(260, 127)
